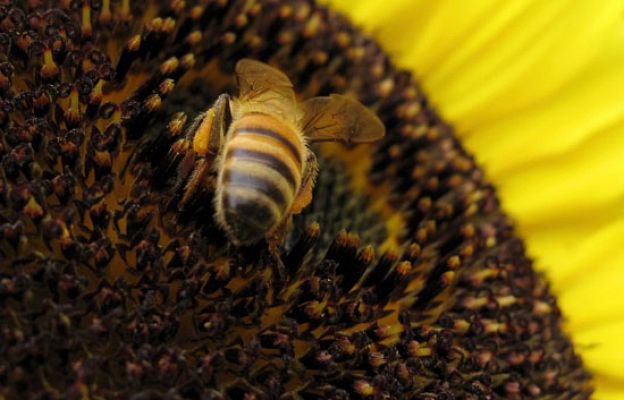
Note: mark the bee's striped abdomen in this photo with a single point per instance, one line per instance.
(260, 175)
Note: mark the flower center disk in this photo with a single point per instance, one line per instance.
(403, 278)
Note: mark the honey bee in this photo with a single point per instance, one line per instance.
(257, 144)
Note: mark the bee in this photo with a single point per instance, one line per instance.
(257, 144)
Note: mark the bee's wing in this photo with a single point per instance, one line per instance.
(259, 82)
(340, 118)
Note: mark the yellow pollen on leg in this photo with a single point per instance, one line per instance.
(201, 139)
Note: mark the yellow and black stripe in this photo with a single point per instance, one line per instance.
(260, 175)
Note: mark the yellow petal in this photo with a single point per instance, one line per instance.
(608, 387)
(579, 243)
(604, 358)
(558, 188)
(591, 292)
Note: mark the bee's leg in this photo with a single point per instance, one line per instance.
(277, 236)
(274, 241)
(304, 195)
(302, 199)
(206, 135)
(181, 153)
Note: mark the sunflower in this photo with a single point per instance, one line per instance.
(402, 279)
(535, 91)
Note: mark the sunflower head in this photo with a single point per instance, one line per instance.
(403, 278)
